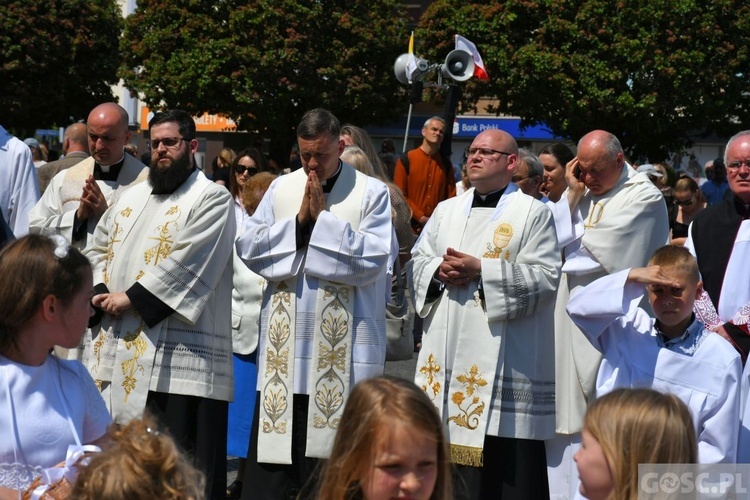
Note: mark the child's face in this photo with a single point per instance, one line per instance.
(404, 466)
(674, 306)
(593, 469)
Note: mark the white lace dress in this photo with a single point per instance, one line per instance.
(43, 410)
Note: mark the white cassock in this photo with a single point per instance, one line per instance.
(704, 370)
(19, 188)
(488, 366)
(55, 212)
(564, 226)
(179, 248)
(354, 254)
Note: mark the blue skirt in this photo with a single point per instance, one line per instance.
(241, 409)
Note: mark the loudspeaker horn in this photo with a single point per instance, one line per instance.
(458, 66)
(399, 69)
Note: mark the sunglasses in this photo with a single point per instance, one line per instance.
(240, 169)
(686, 202)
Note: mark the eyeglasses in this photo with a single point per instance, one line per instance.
(518, 178)
(483, 152)
(737, 164)
(169, 142)
(240, 169)
(685, 203)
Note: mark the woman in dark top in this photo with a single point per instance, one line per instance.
(689, 201)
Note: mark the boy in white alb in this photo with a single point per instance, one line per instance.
(673, 353)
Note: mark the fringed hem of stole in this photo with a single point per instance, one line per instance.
(466, 455)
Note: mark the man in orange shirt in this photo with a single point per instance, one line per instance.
(427, 177)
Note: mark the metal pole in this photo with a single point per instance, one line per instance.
(406, 133)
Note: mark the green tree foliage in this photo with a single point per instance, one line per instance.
(653, 72)
(59, 59)
(266, 62)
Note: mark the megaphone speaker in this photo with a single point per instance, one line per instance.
(401, 71)
(399, 68)
(458, 66)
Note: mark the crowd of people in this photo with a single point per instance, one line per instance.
(565, 306)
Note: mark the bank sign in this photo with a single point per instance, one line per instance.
(470, 127)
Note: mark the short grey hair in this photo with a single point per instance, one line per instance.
(438, 118)
(736, 136)
(531, 161)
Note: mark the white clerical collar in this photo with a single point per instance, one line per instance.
(333, 177)
(484, 196)
(105, 168)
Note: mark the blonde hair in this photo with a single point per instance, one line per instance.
(142, 462)
(373, 407)
(686, 184)
(226, 157)
(640, 426)
(362, 140)
(676, 257)
(354, 156)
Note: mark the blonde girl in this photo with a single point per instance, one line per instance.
(389, 444)
(628, 427)
(142, 462)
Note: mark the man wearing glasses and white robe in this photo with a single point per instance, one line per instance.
(485, 272)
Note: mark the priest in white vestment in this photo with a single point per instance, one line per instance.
(322, 238)
(618, 220)
(77, 197)
(719, 237)
(485, 272)
(162, 257)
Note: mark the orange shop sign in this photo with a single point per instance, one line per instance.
(203, 123)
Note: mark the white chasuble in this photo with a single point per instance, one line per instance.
(178, 247)
(329, 375)
(54, 213)
(484, 375)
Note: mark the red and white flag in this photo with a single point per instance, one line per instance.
(468, 46)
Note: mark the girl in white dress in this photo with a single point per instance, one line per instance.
(46, 404)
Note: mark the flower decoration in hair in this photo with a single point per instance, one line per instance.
(62, 246)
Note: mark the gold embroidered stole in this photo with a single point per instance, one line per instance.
(125, 348)
(332, 336)
(479, 351)
(275, 419)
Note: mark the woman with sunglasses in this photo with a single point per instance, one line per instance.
(689, 201)
(247, 163)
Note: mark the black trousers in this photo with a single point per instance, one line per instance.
(513, 469)
(281, 482)
(199, 427)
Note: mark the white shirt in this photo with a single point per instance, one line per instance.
(39, 415)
